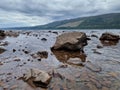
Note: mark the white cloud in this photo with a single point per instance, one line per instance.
(18, 19)
(35, 12)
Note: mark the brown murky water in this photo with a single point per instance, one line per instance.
(97, 69)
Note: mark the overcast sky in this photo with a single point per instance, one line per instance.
(15, 13)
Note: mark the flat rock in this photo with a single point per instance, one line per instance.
(71, 41)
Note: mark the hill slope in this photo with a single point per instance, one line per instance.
(106, 21)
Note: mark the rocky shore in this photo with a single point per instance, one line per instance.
(59, 60)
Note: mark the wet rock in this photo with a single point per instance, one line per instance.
(25, 51)
(43, 54)
(109, 43)
(17, 60)
(14, 50)
(55, 32)
(39, 59)
(88, 38)
(40, 54)
(71, 41)
(109, 37)
(2, 50)
(99, 46)
(93, 35)
(3, 43)
(24, 63)
(2, 34)
(28, 60)
(44, 39)
(38, 77)
(1, 63)
(93, 67)
(12, 33)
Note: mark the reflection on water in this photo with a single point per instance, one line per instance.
(64, 56)
(109, 43)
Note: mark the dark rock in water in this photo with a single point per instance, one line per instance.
(109, 37)
(17, 60)
(44, 39)
(37, 78)
(99, 46)
(88, 38)
(55, 32)
(14, 50)
(93, 35)
(71, 41)
(2, 50)
(25, 51)
(40, 54)
(2, 34)
(43, 54)
(39, 59)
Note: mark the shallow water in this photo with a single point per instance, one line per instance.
(97, 69)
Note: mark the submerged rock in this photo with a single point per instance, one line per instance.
(44, 39)
(93, 67)
(109, 37)
(38, 77)
(71, 41)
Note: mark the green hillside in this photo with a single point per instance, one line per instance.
(106, 21)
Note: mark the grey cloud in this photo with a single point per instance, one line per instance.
(58, 9)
